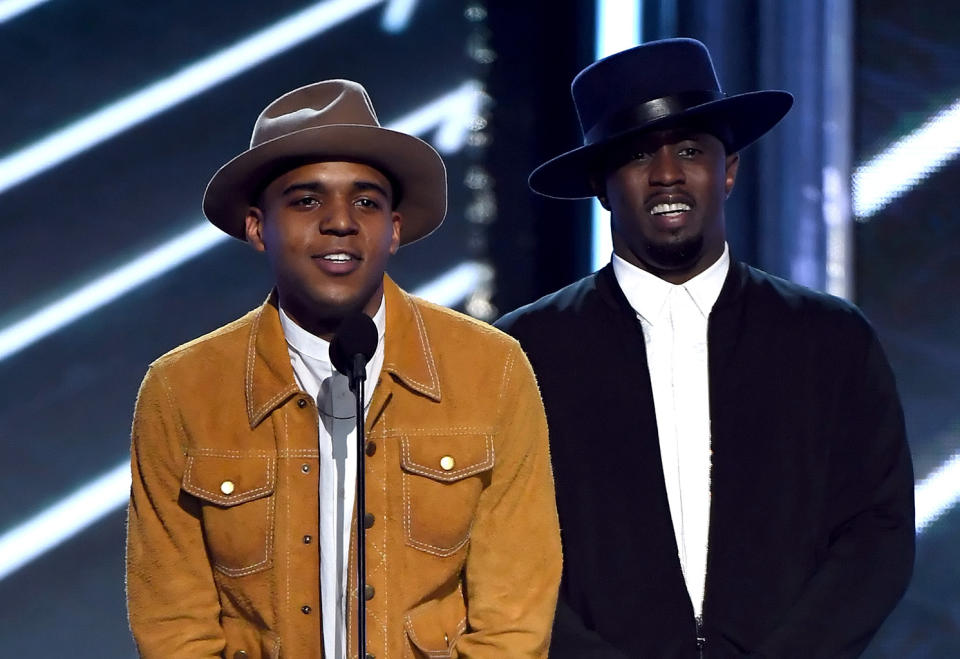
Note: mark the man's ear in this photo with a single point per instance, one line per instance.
(600, 191)
(397, 219)
(254, 228)
(731, 166)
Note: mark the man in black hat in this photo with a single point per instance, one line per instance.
(245, 451)
(732, 472)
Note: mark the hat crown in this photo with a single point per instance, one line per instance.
(331, 102)
(656, 70)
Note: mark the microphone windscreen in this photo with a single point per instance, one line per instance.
(357, 335)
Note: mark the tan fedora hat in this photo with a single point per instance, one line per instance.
(329, 120)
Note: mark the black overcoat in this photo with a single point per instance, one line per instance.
(811, 534)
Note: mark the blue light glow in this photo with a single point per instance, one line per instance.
(619, 26)
(108, 287)
(396, 16)
(12, 8)
(937, 493)
(64, 519)
(906, 162)
(451, 116)
(168, 92)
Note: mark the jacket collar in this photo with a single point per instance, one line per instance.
(408, 354)
(613, 295)
(269, 380)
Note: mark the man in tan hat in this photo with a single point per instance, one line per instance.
(244, 440)
(733, 477)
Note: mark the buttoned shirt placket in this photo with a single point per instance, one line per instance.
(674, 322)
(337, 438)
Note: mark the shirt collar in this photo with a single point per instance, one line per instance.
(647, 293)
(316, 348)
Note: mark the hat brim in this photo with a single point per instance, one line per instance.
(743, 118)
(412, 164)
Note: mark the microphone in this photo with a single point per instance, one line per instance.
(353, 346)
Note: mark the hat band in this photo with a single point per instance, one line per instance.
(638, 115)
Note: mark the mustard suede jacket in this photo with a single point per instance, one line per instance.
(462, 562)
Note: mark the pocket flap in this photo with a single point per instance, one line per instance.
(446, 458)
(229, 480)
(435, 625)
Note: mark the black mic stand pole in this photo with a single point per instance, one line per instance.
(357, 379)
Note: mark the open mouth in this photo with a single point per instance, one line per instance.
(670, 209)
(339, 257)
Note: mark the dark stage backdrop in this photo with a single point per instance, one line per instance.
(907, 243)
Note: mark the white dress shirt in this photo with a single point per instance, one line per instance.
(674, 321)
(310, 357)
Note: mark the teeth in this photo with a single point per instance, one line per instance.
(663, 209)
(339, 258)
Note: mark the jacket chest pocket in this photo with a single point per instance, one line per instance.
(237, 509)
(443, 477)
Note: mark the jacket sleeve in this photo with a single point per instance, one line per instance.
(172, 601)
(513, 562)
(869, 556)
(573, 640)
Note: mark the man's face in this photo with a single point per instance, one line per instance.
(666, 203)
(328, 229)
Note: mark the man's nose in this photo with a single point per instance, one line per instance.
(665, 167)
(338, 219)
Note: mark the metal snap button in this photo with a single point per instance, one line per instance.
(307, 539)
(447, 463)
(305, 468)
(368, 520)
(301, 402)
(368, 592)
(306, 609)
(227, 487)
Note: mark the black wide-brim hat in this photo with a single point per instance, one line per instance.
(657, 85)
(327, 121)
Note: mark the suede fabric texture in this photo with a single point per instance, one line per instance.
(463, 562)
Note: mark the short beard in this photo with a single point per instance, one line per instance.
(675, 255)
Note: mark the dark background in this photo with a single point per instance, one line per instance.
(67, 399)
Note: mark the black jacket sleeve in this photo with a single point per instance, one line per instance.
(869, 558)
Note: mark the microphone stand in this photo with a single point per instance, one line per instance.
(358, 378)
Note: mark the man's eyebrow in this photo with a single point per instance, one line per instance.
(371, 185)
(317, 186)
(310, 186)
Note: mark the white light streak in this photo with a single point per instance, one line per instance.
(451, 115)
(110, 492)
(453, 286)
(12, 8)
(164, 94)
(396, 16)
(619, 26)
(937, 493)
(64, 519)
(445, 113)
(906, 162)
(108, 287)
